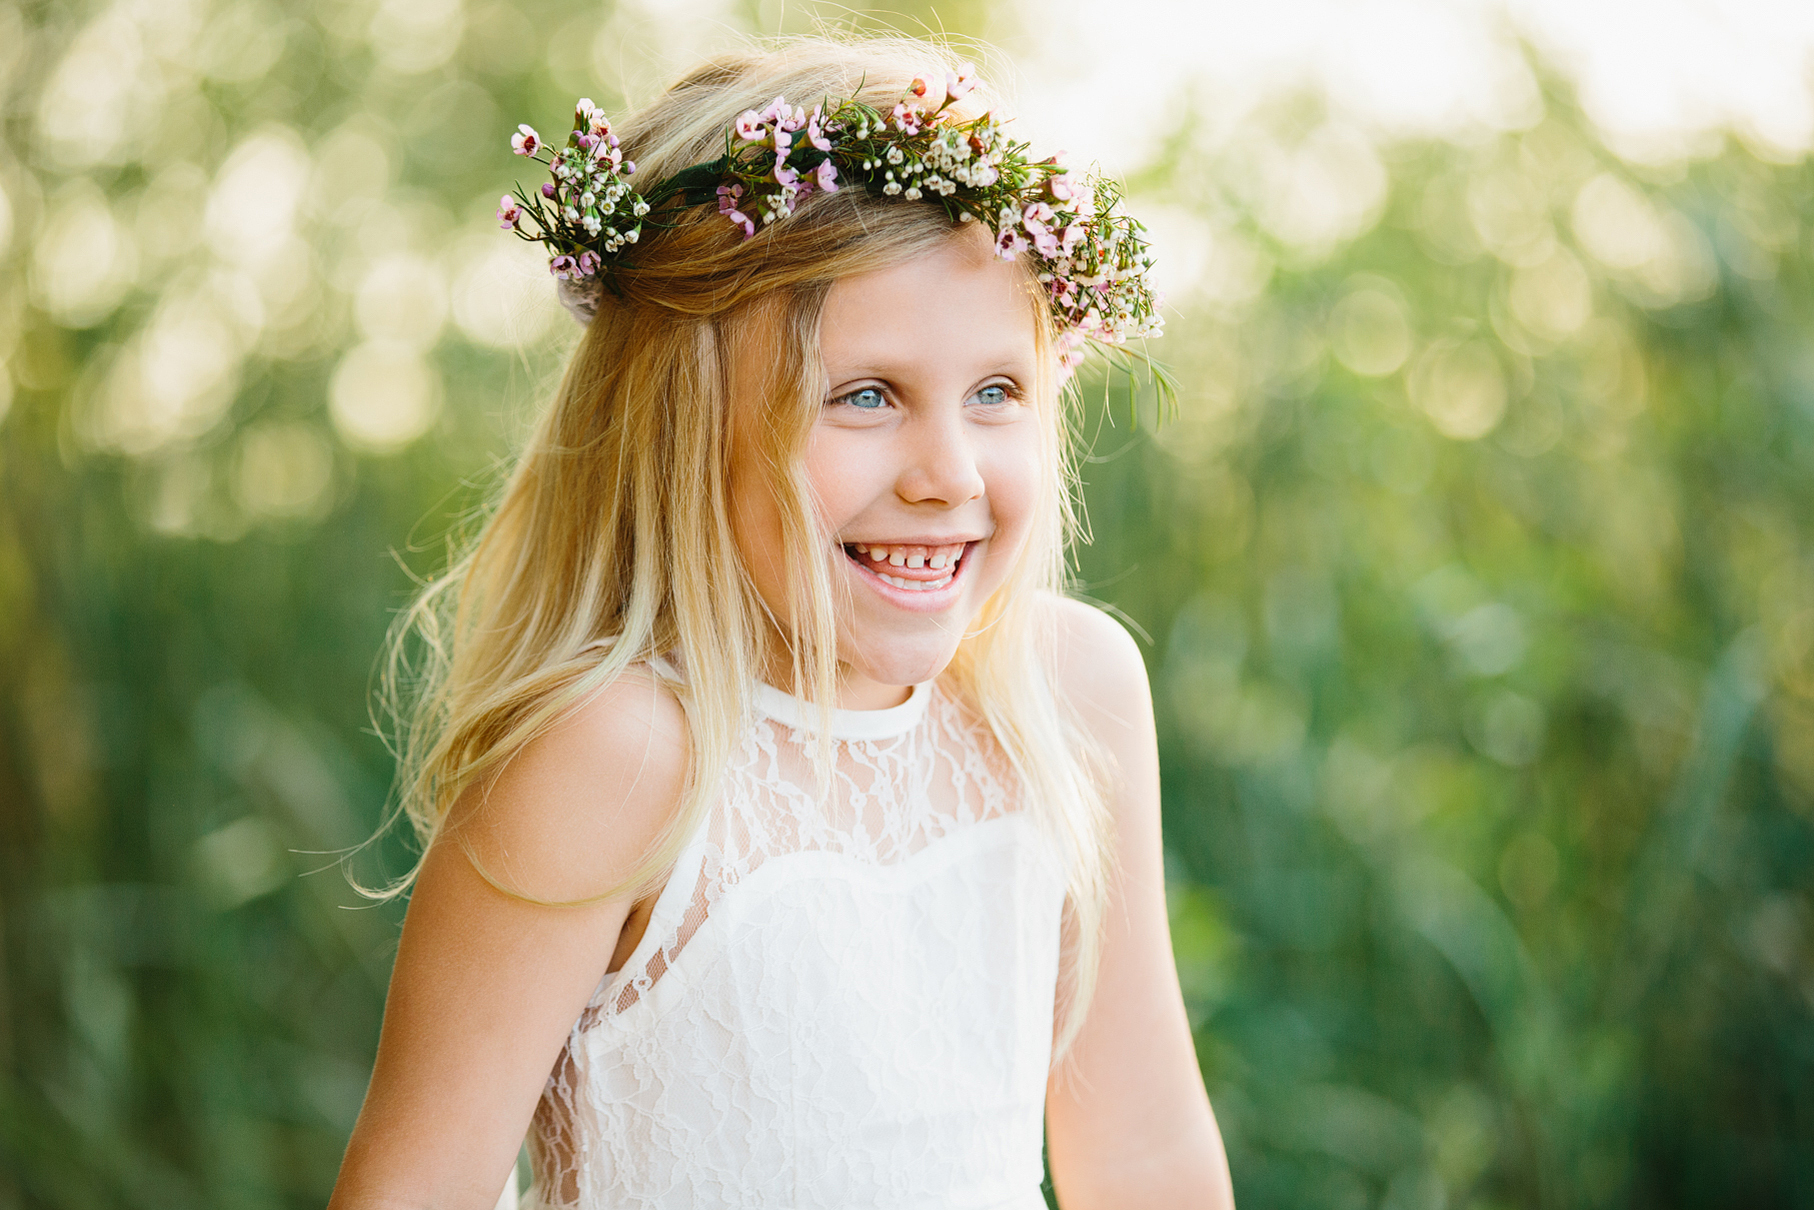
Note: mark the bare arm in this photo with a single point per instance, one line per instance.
(486, 986)
(1128, 1123)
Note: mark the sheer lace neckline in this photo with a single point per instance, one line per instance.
(800, 715)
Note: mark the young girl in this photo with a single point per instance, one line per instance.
(714, 943)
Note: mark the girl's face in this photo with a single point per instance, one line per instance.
(924, 461)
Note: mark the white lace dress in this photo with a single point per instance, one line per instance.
(831, 1007)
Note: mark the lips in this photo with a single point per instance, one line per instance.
(909, 567)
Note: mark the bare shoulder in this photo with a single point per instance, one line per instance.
(573, 812)
(1100, 670)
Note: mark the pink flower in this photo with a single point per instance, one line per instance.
(961, 81)
(1073, 235)
(548, 189)
(905, 119)
(921, 88)
(727, 205)
(827, 177)
(1043, 239)
(1034, 218)
(815, 131)
(1008, 243)
(785, 176)
(592, 116)
(508, 212)
(588, 263)
(1062, 187)
(782, 116)
(749, 126)
(563, 267)
(526, 141)
(788, 117)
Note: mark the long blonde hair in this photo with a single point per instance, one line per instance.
(614, 522)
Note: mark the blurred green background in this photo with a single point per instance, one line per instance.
(1477, 569)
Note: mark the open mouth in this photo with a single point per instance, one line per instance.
(910, 568)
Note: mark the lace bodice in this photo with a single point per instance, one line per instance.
(834, 1004)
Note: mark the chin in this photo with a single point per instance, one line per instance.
(901, 663)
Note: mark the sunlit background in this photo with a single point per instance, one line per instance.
(1476, 570)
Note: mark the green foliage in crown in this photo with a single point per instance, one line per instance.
(1093, 258)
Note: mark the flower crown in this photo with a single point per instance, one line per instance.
(1093, 259)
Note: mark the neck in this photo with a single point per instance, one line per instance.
(851, 690)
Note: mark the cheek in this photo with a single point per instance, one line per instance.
(841, 473)
(1016, 483)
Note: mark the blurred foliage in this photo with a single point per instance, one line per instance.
(1478, 567)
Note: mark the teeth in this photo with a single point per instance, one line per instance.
(910, 556)
(914, 585)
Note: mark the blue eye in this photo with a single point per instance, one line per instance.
(994, 396)
(867, 398)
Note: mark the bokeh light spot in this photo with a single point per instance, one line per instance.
(251, 212)
(1323, 192)
(172, 381)
(413, 36)
(402, 298)
(502, 295)
(242, 861)
(1506, 726)
(1656, 249)
(242, 42)
(85, 110)
(383, 396)
(83, 260)
(1510, 215)
(1461, 388)
(1554, 298)
(284, 470)
(352, 170)
(1488, 639)
(1369, 331)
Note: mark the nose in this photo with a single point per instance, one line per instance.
(941, 467)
